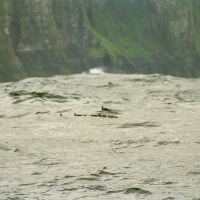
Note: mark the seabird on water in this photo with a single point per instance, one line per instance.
(104, 109)
(78, 115)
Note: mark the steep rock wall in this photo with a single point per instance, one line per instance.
(153, 36)
(48, 37)
(10, 66)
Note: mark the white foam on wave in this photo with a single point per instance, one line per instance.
(97, 71)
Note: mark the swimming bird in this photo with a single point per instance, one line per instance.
(104, 109)
(94, 115)
(100, 115)
(77, 115)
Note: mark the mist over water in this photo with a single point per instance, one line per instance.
(149, 151)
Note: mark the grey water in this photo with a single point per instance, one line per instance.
(150, 150)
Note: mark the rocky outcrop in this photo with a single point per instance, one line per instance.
(49, 37)
(153, 36)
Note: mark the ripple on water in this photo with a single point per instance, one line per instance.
(88, 179)
(119, 144)
(166, 142)
(21, 96)
(139, 124)
(132, 173)
(194, 172)
(8, 148)
(109, 85)
(137, 190)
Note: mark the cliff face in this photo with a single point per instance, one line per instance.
(48, 37)
(153, 36)
(10, 65)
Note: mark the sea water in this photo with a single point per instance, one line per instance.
(150, 150)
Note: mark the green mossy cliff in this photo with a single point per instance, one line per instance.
(49, 37)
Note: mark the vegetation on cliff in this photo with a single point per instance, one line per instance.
(122, 31)
(151, 36)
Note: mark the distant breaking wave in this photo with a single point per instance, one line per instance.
(97, 71)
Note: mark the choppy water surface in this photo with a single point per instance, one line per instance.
(151, 151)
